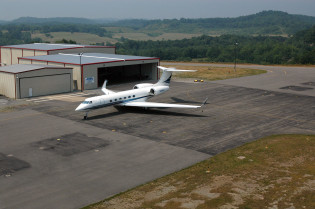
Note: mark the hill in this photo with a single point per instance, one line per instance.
(2, 22)
(59, 20)
(258, 36)
(263, 23)
(55, 20)
(298, 49)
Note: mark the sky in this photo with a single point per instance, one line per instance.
(149, 9)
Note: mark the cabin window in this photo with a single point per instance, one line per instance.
(124, 97)
(134, 96)
(129, 96)
(119, 98)
(115, 99)
(110, 100)
(87, 102)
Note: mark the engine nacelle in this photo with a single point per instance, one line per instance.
(142, 85)
(158, 90)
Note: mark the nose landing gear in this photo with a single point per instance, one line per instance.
(86, 116)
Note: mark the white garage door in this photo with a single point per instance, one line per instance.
(44, 85)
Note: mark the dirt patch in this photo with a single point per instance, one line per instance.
(292, 162)
(219, 181)
(159, 192)
(206, 192)
(183, 202)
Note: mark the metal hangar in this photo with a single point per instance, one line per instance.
(48, 67)
(91, 69)
(20, 81)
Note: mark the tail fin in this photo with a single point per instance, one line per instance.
(167, 75)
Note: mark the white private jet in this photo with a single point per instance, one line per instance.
(136, 97)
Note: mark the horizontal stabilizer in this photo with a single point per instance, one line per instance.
(204, 102)
(174, 69)
(167, 75)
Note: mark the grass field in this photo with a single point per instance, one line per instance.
(214, 73)
(8, 109)
(273, 172)
(14, 107)
(119, 29)
(87, 38)
(159, 37)
(80, 38)
(118, 33)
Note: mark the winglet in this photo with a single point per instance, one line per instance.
(204, 102)
(105, 90)
(104, 85)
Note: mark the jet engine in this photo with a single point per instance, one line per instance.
(158, 90)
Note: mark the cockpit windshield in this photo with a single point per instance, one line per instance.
(87, 102)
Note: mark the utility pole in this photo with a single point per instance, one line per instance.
(80, 54)
(82, 80)
(235, 45)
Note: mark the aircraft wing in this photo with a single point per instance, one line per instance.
(157, 105)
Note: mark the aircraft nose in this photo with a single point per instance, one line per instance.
(79, 108)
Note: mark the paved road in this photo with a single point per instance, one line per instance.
(294, 80)
(51, 158)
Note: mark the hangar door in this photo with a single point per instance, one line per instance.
(121, 74)
(44, 85)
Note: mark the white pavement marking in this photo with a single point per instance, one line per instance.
(43, 100)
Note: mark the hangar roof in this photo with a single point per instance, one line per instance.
(21, 68)
(50, 47)
(87, 58)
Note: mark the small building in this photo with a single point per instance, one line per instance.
(90, 70)
(21, 81)
(9, 54)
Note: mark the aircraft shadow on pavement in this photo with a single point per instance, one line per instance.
(112, 114)
(178, 100)
(124, 110)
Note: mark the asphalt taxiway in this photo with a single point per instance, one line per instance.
(51, 158)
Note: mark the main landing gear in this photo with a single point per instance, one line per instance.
(86, 116)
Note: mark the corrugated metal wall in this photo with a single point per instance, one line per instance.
(6, 56)
(15, 54)
(7, 84)
(45, 85)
